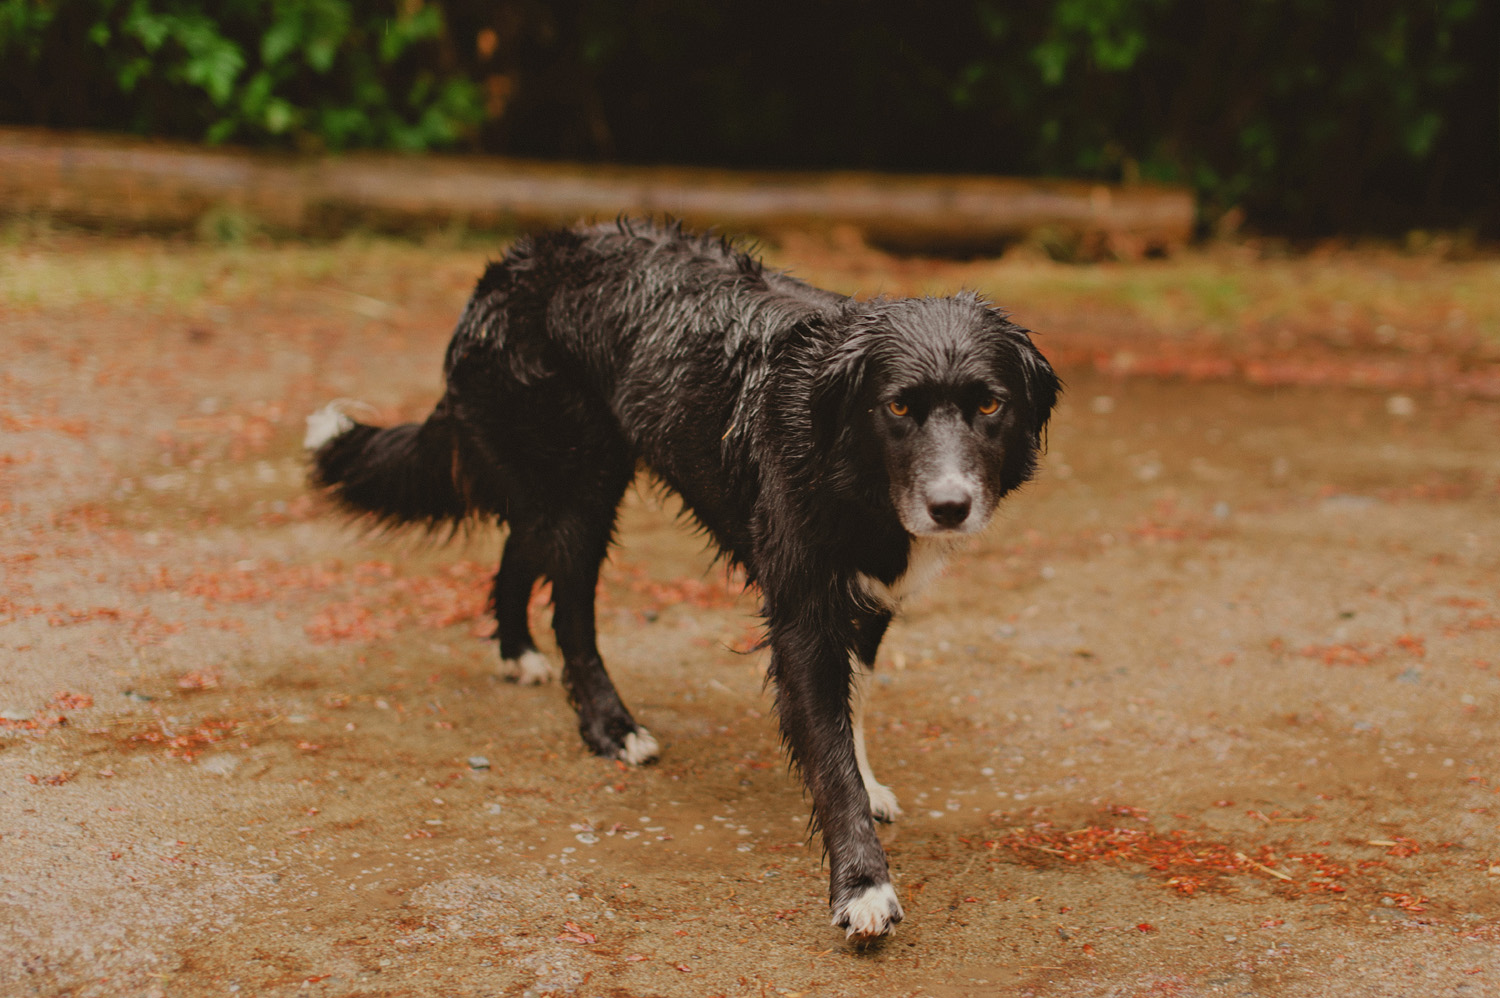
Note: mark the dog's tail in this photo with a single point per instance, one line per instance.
(399, 475)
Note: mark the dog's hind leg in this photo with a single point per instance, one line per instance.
(511, 601)
(577, 546)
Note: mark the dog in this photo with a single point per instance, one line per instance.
(835, 449)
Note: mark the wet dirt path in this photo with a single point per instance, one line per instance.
(1209, 711)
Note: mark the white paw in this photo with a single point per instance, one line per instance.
(531, 669)
(883, 806)
(325, 424)
(870, 914)
(640, 747)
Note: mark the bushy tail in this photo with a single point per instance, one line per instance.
(399, 475)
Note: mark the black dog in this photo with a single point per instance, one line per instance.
(834, 448)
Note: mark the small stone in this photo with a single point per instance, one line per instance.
(220, 765)
(478, 762)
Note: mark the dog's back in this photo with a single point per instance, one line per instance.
(642, 340)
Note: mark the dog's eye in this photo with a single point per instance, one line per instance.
(989, 406)
(897, 408)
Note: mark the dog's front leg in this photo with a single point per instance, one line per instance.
(812, 672)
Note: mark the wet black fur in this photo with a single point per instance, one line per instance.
(759, 399)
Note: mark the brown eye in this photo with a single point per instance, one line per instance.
(897, 409)
(989, 406)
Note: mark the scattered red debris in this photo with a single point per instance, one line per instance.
(187, 743)
(1406, 902)
(1190, 864)
(51, 716)
(12, 423)
(1414, 644)
(384, 601)
(72, 701)
(1465, 603)
(571, 933)
(198, 679)
(55, 780)
(1403, 847)
(1342, 654)
(713, 592)
(1486, 622)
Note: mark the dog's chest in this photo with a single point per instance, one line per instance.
(924, 563)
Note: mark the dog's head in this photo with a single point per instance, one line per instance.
(947, 396)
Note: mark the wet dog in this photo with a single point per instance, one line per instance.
(834, 448)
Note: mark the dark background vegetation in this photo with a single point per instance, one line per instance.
(1312, 116)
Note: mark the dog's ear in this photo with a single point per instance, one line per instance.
(839, 377)
(1039, 383)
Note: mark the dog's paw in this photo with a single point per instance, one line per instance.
(640, 748)
(531, 669)
(869, 914)
(883, 806)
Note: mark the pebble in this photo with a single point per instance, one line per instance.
(478, 762)
(222, 764)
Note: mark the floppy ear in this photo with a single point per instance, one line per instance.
(1039, 382)
(839, 382)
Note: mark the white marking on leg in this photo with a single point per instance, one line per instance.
(327, 423)
(883, 805)
(871, 913)
(531, 669)
(640, 747)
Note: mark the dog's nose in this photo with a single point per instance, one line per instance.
(949, 512)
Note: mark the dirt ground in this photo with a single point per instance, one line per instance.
(1209, 711)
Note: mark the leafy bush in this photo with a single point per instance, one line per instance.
(313, 73)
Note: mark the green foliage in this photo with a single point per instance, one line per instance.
(330, 74)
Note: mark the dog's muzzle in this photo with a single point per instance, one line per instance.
(949, 503)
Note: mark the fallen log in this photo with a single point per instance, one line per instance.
(97, 179)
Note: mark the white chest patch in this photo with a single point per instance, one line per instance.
(924, 563)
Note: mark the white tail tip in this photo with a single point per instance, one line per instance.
(325, 424)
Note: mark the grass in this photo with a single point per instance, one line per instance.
(1219, 291)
